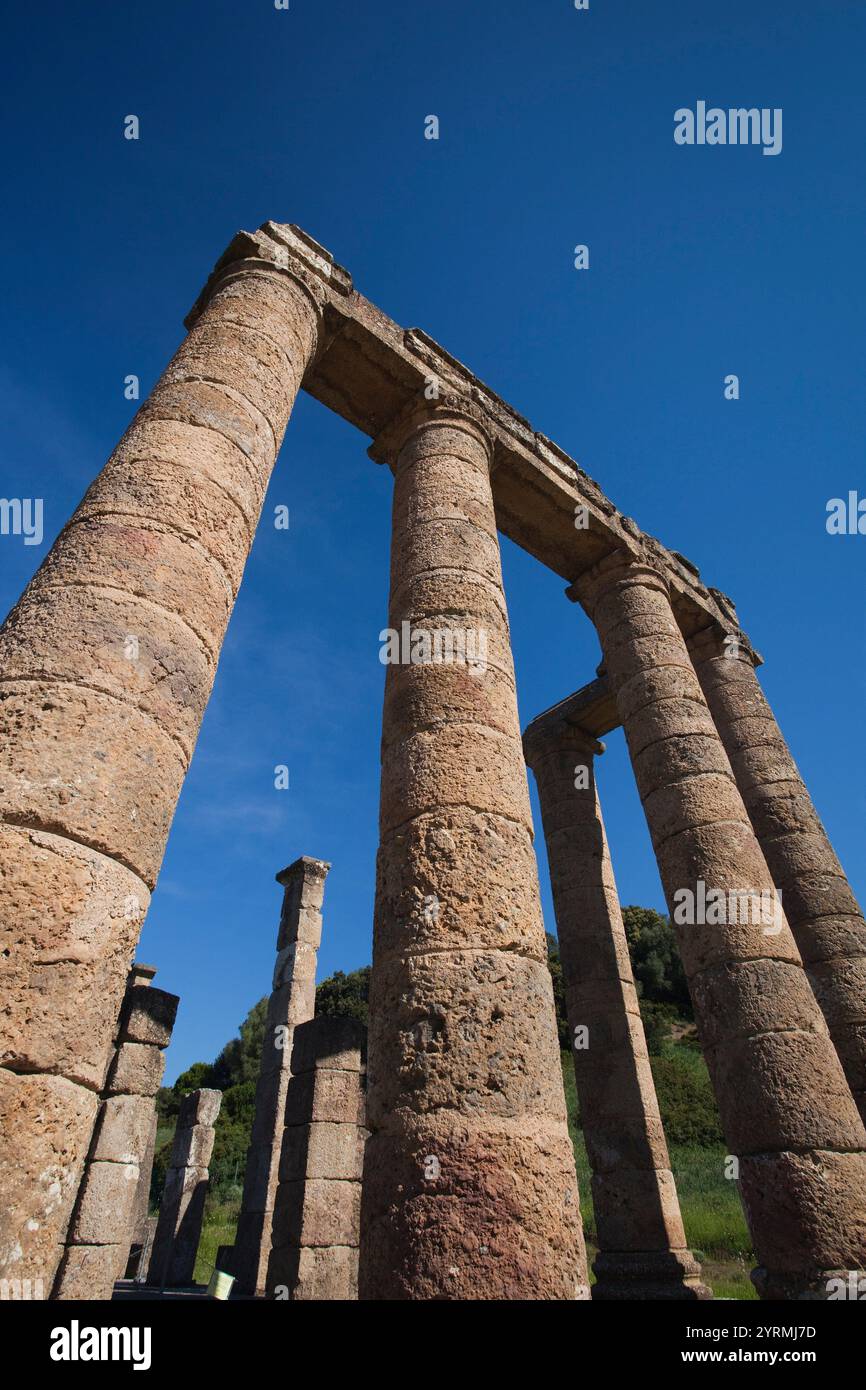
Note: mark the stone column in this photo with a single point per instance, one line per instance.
(318, 1202)
(106, 664)
(178, 1230)
(469, 1180)
(822, 912)
(143, 975)
(108, 1205)
(642, 1243)
(292, 1001)
(786, 1108)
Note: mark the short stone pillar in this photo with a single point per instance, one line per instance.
(642, 1243)
(181, 1211)
(470, 1188)
(292, 1001)
(823, 914)
(785, 1104)
(107, 661)
(314, 1254)
(142, 1226)
(108, 1210)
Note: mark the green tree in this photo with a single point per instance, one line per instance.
(345, 996)
(554, 965)
(168, 1098)
(655, 958)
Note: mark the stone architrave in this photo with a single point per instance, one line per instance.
(106, 665)
(108, 1213)
(642, 1244)
(822, 912)
(469, 1181)
(292, 1001)
(314, 1254)
(181, 1211)
(786, 1108)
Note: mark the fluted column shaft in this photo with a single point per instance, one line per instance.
(822, 912)
(642, 1243)
(786, 1107)
(106, 664)
(469, 1180)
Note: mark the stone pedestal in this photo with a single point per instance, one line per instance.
(314, 1254)
(642, 1244)
(469, 1180)
(108, 1211)
(786, 1108)
(292, 1001)
(107, 662)
(823, 914)
(178, 1229)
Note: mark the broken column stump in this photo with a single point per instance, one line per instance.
(292, 1001)
(181, 1211)
(314, 1251)
(108, 1208)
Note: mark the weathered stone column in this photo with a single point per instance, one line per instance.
(318, 1202)
(107, 1208)
(106, 664)
(785, 1104)
(181, 1210)
(469, 1179)
(292, 1001)
(642, 1243)
(822, 912)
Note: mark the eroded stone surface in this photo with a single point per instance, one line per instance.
(777, 1078)
(461, 1012)
(634, 1194)
(316, 1217)
(45, 1128)
(107, 663)
(69, 920)
(181, 1211)
(794, 842)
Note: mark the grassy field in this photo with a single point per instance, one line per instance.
(220, 1223)
(712, 1214)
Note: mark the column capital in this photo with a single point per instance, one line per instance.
(282, 250)
(721, 640)
(547, 735)
(624, 565)
(303, 868)
(140, 974)
(449, 408)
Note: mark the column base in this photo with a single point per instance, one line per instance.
(821, 1286)
(653, 1274)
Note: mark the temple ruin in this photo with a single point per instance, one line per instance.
(469, 1187)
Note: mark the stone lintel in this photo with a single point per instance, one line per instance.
(592, 708)
(369, 368)
(590, 711)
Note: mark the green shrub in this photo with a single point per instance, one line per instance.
(685, 1097)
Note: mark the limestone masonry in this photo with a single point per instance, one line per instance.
(439, 1165)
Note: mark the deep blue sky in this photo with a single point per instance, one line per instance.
(556, 129)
